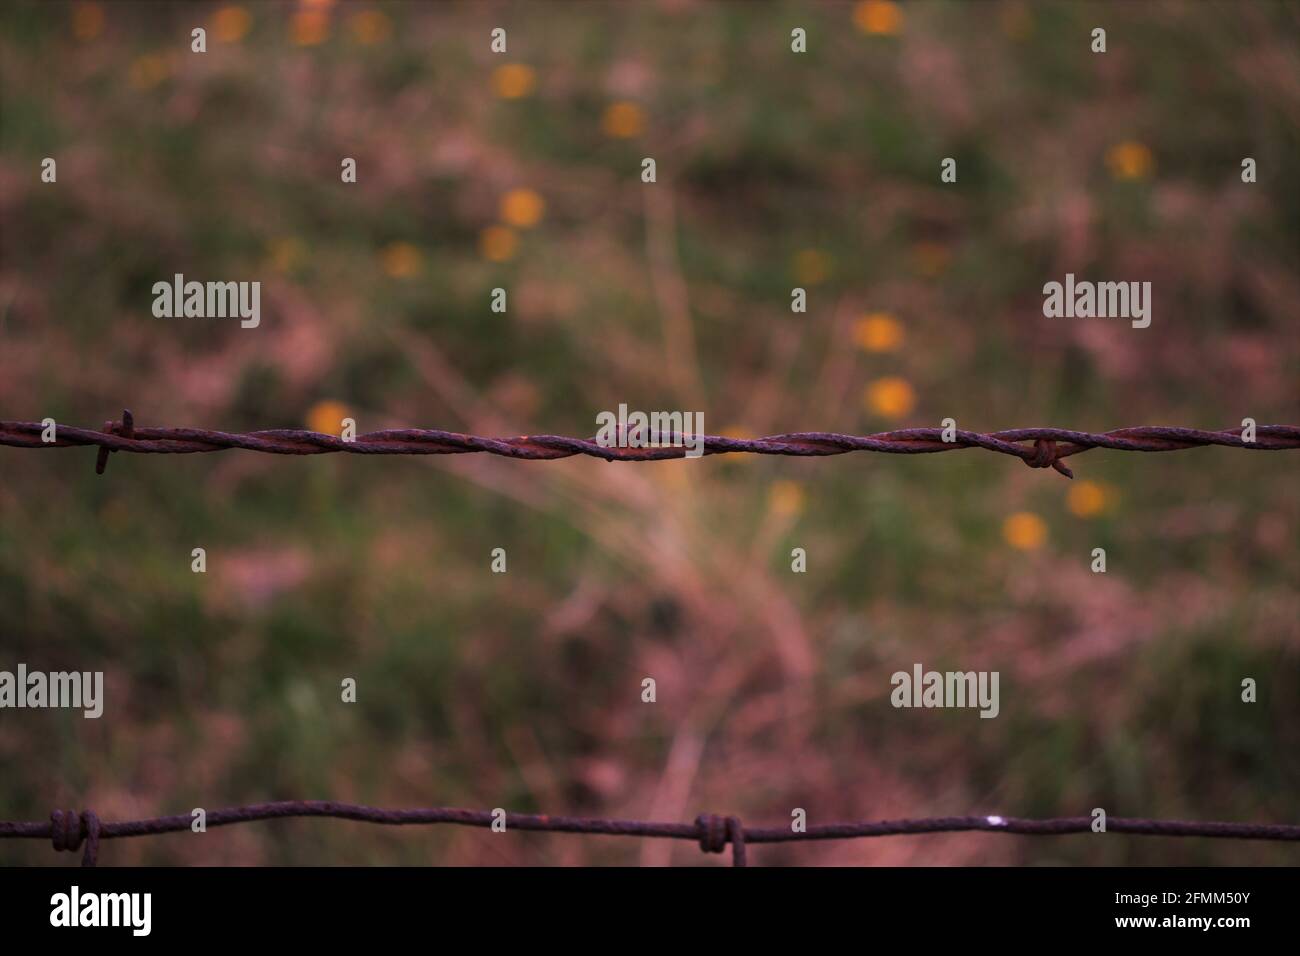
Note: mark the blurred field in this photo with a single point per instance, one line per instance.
(522, 690)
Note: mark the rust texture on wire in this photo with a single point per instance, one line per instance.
(1036, 447)
(71, 831)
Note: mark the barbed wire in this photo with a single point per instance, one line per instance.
(69, 830)
(1049, 445)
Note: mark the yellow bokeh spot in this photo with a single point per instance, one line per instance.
(878, 332)
(327, 417)
(309, 27)
(786, 499)
(1130, 160)
(1086, 499)
(87, 21)
(1024, 531)
(401, 260)
(370, 27)
(812, 266)
(513, 80)
(623, 120)
(498, 243)
(231, 24)
(522, 208)
(286, 254)
(878, 17)
(890, 397)
(148, 71)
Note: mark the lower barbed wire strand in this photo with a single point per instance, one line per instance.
(68, 830)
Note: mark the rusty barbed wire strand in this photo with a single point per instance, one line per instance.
(68, 830)
(1049, 445)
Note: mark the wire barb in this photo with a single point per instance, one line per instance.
(126, 430)
(716, 832)
(68, 829)
(712, 832)
(1049, 445)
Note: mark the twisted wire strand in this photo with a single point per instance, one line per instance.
(1048, 449)
(68, 830)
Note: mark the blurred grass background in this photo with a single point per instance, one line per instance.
(775, 170)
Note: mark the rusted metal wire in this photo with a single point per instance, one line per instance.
(1046, 449)
(69, 830)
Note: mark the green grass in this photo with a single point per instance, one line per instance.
(523, 690)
